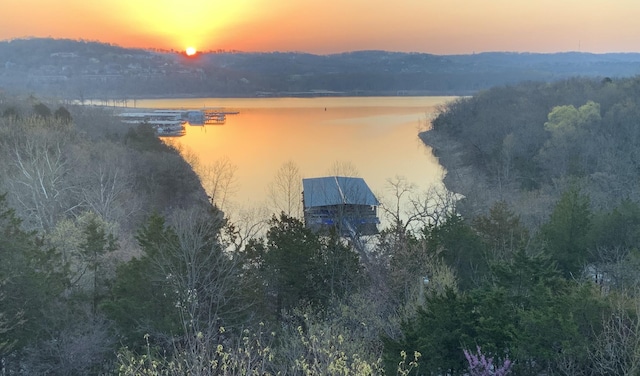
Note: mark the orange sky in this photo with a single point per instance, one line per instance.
(330, 26)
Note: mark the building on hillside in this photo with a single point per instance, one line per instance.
(344, 203)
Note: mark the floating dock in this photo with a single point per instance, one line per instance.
(171, 122)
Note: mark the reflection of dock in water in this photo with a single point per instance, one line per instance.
(209, 116)
(217, 116)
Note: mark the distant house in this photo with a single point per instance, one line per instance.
(67, 55)
(47, 78)
(344, 203)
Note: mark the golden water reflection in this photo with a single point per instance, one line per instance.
(377, 135)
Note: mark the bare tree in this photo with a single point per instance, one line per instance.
(38, 174)
(343, 168)
(285, 191)
(107, 183)
(409, 210)
(616, 350)
(219, 181)
(202, 273)
(77, 345)
(615, 269)
(244, 224)
(401, 190)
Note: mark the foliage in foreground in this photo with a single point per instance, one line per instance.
(315, 351)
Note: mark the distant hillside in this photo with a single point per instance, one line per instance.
(84, 69)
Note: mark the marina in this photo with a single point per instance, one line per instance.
(172, 122)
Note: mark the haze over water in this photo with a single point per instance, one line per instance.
(376, 135)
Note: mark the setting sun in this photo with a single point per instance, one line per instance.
(190, 51)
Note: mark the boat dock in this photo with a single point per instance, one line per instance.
(171, 122)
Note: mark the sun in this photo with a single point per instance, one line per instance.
(190, 51)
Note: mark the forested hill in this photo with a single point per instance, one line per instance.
(82, 69)
(525, 144)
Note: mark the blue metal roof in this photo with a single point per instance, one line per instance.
(337, 190)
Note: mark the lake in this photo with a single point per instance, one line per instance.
(378, 136)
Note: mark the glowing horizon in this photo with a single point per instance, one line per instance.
(435, 26)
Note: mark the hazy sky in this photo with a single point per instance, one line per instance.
(330, 26)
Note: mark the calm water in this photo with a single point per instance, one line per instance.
(377, 135)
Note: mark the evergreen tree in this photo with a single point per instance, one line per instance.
(184, 284)
(42, 110)
(296, 266)
(31, 278)
(451, 322)
(619, 227)
(567, 233)
(553, 318)
(501, 231)
(290, 260)
(461, 248)
(63, 115)
(141, 301)
(96, 244)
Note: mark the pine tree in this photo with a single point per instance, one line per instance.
(566, 235)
